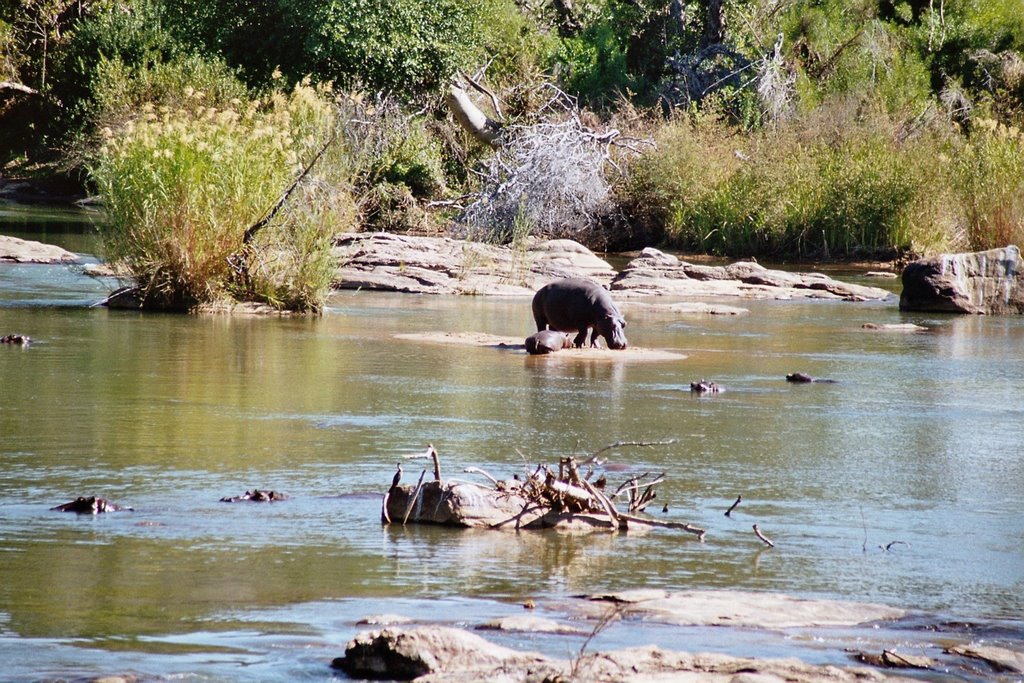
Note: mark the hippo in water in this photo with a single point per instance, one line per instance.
(574, 305)
(547, 341)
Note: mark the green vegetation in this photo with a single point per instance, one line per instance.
(183, 187)
(806, 129)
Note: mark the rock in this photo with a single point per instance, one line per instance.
(528, 624)
(404, 655)
(740, 609)
(894, 327)
(462, 504)
(90, 505)
(657, 273)
(27, 251)
(440, 265)
(984, 282)
(384, 620)
(998, 658)
(449, 655)
(890, 659)
(684, 308)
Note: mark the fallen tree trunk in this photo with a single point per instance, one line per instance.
(471, 118)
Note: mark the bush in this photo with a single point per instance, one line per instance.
(181, 187)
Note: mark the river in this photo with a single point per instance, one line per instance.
(901, 483)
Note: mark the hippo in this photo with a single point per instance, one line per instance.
(705, 387)
(575, 305)
(256, 496)
(90, 506)
(804, 378)
(547, 341)
(16, 339)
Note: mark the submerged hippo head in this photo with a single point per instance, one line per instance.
(610, 327)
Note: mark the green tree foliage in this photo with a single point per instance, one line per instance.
(407, 47)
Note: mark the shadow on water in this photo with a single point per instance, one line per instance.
(914, 447)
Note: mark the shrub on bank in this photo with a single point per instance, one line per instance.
(182, 185)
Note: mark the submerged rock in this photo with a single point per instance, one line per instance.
(983, 282)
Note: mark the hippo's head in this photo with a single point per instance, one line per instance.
(610, 328)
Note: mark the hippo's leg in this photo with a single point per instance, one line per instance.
(580, 339)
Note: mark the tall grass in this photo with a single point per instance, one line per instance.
(181, 185)
(989, 171)
(797, 191)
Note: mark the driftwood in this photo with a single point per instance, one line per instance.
(546, 497)
(767, 541)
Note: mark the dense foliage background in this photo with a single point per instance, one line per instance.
(790, 128)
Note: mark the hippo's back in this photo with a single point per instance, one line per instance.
(570, 305)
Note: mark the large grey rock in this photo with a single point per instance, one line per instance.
(28, 251)
(441, 265)
(439, 654)
(982, 282)
(654, 272)
(406, 654)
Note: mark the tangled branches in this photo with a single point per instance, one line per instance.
(547, 179)
(570, 492)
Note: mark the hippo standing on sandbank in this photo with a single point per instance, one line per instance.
(575, 305)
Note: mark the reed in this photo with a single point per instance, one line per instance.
(181, 185)
(989, 171)
(788, 192)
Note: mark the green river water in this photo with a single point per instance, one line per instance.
(918, 441)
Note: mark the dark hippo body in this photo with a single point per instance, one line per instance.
(90, 506)
(804, 378)
(547, 341)
(574, 305)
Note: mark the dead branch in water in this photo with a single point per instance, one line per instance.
(431, 453)
(728, 513)
(544, 495)
(764, 538)
(412, 499)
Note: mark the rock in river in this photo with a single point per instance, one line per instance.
(985, 282)
(28, 251)
(655, 272)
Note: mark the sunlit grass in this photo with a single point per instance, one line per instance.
(181, 185)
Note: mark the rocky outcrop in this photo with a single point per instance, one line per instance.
(983, 282)
(657, 273)
(27, 251)
(429, 654)
(441, 265)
